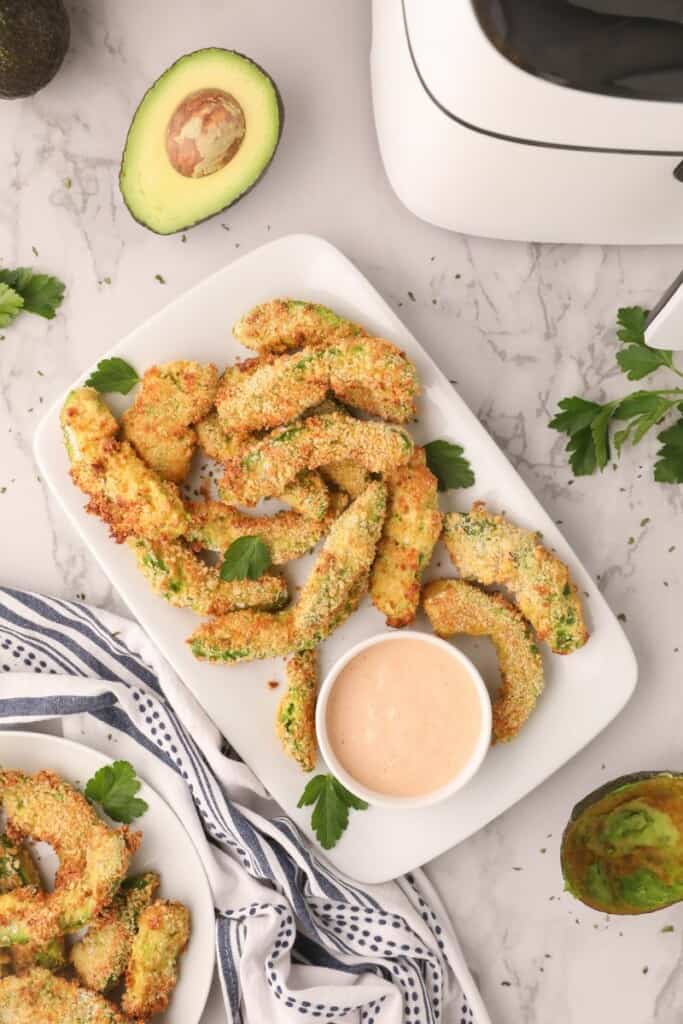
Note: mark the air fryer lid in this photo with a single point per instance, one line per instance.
(667, 10)
(630, 48)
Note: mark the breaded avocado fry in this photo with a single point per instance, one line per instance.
(342, 565)
(331, 593)
(123, 491)
(101, 956)
(93, 858)
(281, 325)
(18, 869)
(489, 549)
(367, 373)
(244, 636)
(39, 997)
(152, 972)
(288, 534)
(179, 575)
(272, 463)
(454, 606)
(306, 494)
(158, 424)
(295, 719)
(411, 530)
(347, 475)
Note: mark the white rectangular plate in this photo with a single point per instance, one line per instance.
(584, 691)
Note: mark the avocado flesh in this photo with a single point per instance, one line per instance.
(160, 197)
(622, 851)
(34, 39)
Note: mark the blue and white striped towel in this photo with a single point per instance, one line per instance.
(294, 939)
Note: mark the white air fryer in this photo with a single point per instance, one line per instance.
(545, 120)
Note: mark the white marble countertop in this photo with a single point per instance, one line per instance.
(516, 326)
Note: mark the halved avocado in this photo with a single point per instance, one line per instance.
(622, 851)
(201, 138)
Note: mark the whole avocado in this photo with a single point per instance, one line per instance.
(34, 39)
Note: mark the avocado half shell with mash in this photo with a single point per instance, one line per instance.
(622, 851)
(201, 138)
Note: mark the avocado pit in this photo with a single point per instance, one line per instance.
(205, 132)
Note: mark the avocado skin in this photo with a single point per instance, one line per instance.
(34, 39)
(584, 805)
(201, 220)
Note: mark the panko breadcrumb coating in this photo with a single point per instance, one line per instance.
(347, 476)
(332, 592)
(124, 492)
(18, 869)
(367, 373)
(295, 719)
(152, 972)
(101, 956)
(93, 858)
(270, 464)
(288, 534)
(307, 494)
(244, 636)
(411, 530)
(158, 424)
(454, 606)
(281, 325)
(178, 574)
(343, 563)
(39, 997)
(490, 549)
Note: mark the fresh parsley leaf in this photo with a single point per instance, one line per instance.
(631, 321)
(587, 425)
(600, 434)
(581, 448)
(669, 465)
(332, 801)
(113, 787)
(637, 361)
(11, 304)
(644, 409)
(576, 415)
(449, 465)
(247, 558)
(41, 293)
(113, 375)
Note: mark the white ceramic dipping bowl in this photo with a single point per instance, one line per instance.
(383, 799)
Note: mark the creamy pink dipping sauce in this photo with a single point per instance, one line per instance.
(403, 717)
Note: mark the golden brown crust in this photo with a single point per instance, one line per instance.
(282, 325)
(288, 535)
(411, 530)
(152, 972)
(367, 373)
(40, 997)
(490, 549)
(269, 465)
(295, 719)
(158, 424)
(454, 606)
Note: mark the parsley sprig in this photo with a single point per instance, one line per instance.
(113, 787)
(24, 291)
(331, 812)
(596, 431)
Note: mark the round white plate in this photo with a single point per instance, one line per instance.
(165, 848)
